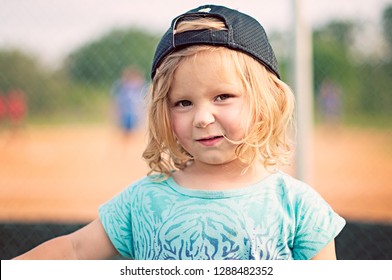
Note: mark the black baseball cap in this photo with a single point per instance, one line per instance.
(243, 33)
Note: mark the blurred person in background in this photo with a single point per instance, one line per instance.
(330, 102)
(16, 110)
(3, 109)
(128, 94)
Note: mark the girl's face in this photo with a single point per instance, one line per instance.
(208, 107)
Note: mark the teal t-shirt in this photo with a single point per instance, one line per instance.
(277, 218)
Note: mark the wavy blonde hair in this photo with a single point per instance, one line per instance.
(271, 103)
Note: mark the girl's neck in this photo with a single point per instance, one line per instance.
(219, 177)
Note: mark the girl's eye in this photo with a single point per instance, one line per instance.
(183, 103)
(223, 97)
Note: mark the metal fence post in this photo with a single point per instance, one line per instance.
(303, 76)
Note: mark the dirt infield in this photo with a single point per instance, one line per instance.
(65, 173)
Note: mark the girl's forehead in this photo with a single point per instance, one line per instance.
(217, 62)
(207, 70)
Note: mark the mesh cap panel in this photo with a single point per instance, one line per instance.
(243, 33)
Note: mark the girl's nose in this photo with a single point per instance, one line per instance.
(203, 117)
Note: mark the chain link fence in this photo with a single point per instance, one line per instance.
(352, 70)
(357, 241)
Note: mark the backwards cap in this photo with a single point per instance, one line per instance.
(243, 33)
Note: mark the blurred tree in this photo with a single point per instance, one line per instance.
(387, 25)
(22, 71)
(101, 61)
(387, 28)
(332, 44)
(375, 76)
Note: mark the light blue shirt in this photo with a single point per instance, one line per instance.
(277, 218)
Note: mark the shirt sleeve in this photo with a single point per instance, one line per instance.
(116, 219)
(316, 224)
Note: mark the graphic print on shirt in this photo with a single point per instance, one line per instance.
(204, 229)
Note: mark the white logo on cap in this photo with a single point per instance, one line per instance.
(205, 10)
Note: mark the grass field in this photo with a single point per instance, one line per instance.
(63, 173)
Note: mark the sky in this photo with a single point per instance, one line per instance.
(52, 29)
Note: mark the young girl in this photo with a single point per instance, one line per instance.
(219, 117)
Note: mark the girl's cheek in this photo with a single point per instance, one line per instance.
(179, 126)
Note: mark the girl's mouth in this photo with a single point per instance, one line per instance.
(210, 141)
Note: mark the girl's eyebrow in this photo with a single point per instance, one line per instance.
(179, 94)
(175, 98)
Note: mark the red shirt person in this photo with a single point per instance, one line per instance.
(16, 106)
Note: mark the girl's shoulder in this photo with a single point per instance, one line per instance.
(293, 188)
(288, 182)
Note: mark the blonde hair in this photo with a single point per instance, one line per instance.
(271, 103)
